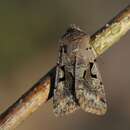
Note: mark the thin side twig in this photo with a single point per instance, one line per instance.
(101, 41)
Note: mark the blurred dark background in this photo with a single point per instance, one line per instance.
(29, 33)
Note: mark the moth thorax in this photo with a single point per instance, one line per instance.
(81, 43)
(74, 39)
(84, 42)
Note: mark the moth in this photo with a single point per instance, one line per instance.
(78, 82)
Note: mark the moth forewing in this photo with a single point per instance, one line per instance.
(88, 83)
(64, 94)
(78, 81)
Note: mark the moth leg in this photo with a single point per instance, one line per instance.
(90, 90)
(64, 101)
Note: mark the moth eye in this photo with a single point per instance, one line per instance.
(65, 48)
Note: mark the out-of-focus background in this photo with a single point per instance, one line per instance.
(29, 33)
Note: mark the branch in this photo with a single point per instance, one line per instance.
(101, 41)
(28, 103)
(111, 33)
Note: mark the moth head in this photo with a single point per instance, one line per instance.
(74, 39)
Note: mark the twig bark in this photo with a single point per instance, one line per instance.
(111, 33)
(28, 103)
(101, 41)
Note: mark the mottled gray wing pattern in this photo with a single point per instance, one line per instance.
(88, 83)
(64, 99)
(78, 81)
